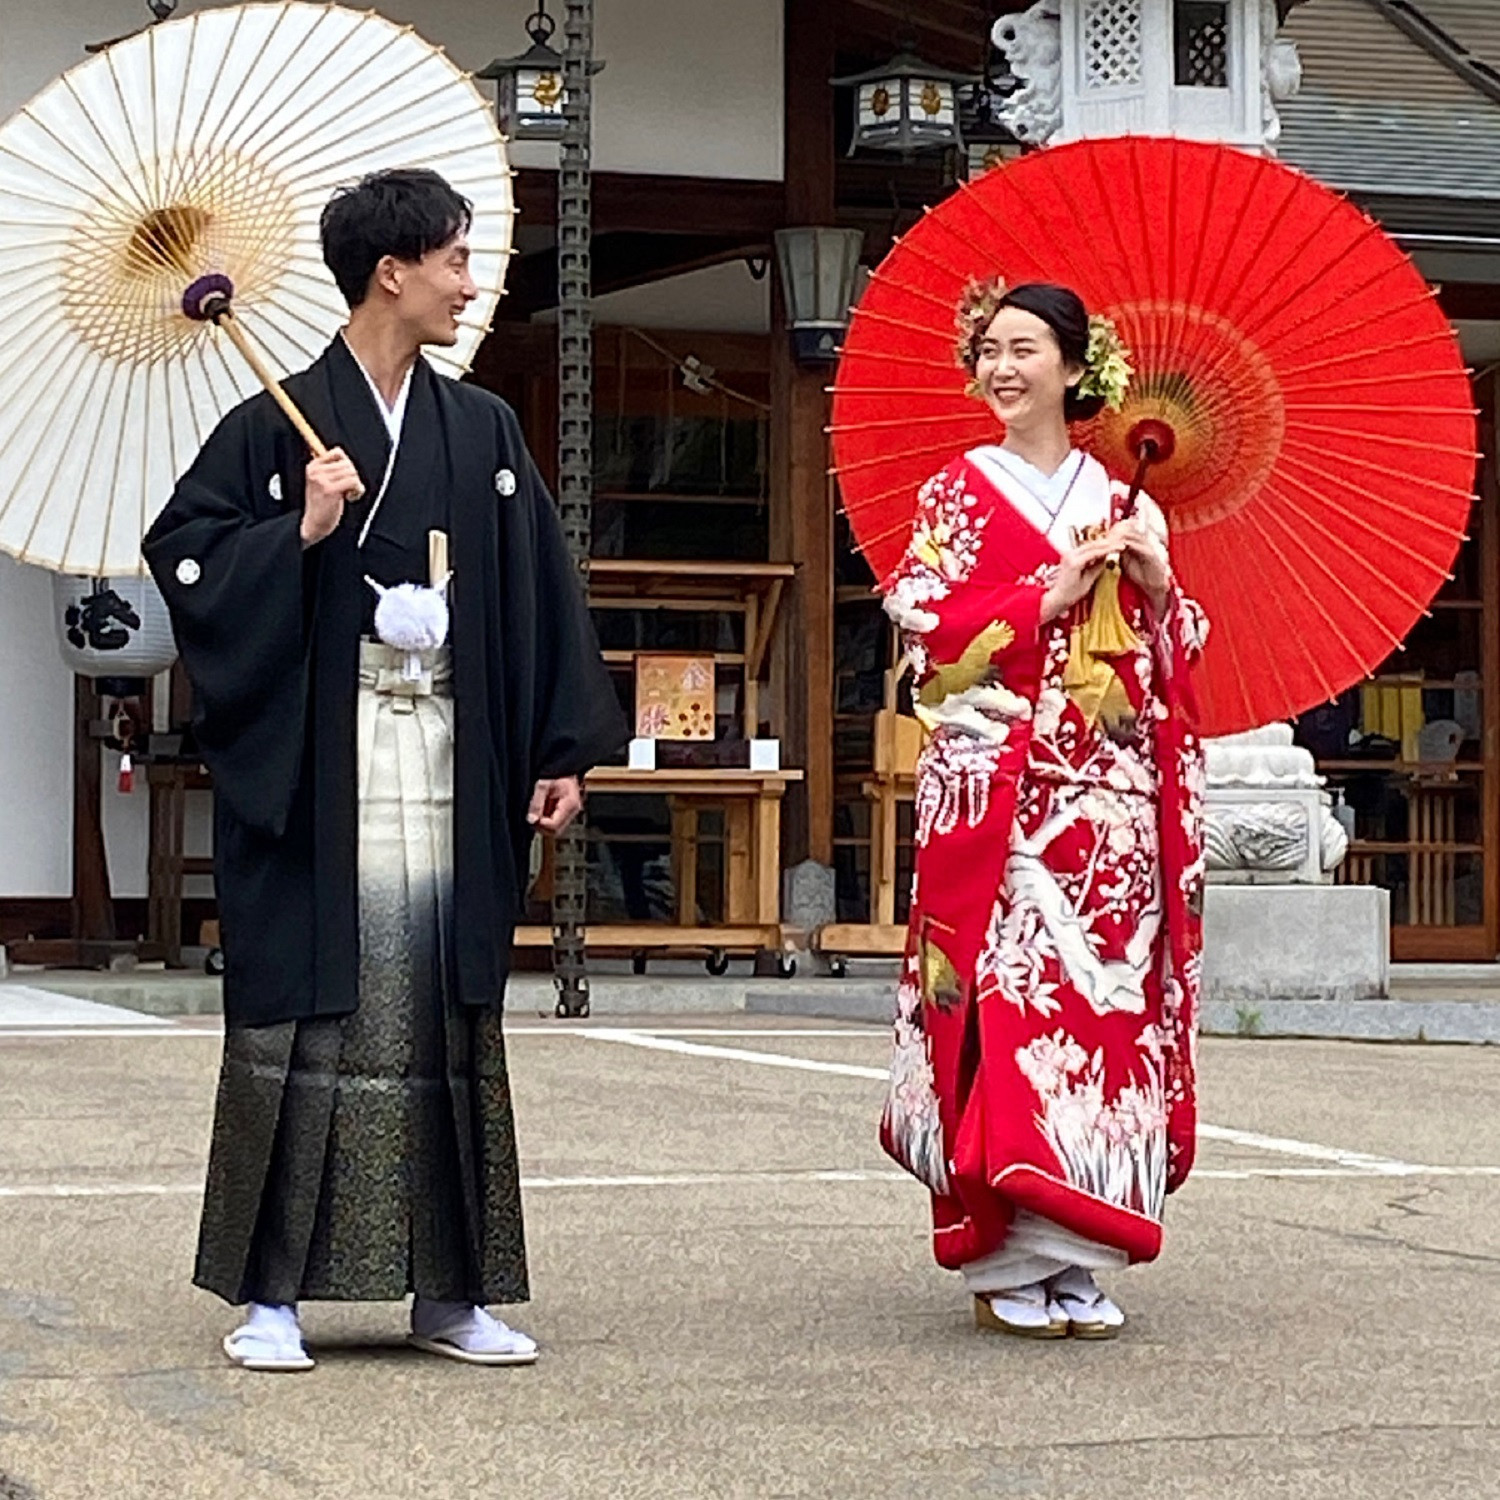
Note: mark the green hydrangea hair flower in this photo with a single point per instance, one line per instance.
(1107, 368)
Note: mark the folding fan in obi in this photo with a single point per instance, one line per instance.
(160, 201)
(1299, 398)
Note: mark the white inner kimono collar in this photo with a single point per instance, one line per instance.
(1077, 495)
(394, 418)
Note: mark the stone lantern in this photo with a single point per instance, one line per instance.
(1205, 69)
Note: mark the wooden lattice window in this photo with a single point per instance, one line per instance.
(1201, 44)
(1111, 44)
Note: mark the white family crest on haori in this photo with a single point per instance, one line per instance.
(505, 482)
(205, 146)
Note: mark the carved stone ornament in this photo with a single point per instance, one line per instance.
(1032, 44)
(1266, 816)
(1256, 836)
(1281, 71)
(1260, 758)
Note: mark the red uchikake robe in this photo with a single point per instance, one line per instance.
(1044, 1039)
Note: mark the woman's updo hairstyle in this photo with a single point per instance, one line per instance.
(1059, 307)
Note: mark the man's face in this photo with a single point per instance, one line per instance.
(434, 291)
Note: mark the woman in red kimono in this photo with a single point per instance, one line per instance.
(1042, 1083)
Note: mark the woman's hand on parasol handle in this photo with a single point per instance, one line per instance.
(1153, 442)
(1145, 561)
(1077, 575)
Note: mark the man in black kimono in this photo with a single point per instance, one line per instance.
(384, 745)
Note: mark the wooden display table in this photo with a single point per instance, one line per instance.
(751, 803)
(752, 590)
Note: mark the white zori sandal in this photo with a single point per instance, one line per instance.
(1090, 1314)
(1025, 1311)
(270, 1339)
(470, 1334)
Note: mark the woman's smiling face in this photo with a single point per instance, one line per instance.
(1020, 369)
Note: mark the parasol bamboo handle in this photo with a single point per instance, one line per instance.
(1152, 442)
(241, 341)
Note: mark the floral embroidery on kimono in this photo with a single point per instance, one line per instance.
(1043, 1055)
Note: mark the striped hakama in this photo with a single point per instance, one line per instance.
(373, 1155)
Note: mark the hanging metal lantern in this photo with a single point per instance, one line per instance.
(819, 275)
(529, 92)
(909, 105)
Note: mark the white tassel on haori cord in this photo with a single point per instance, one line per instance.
(412, 619)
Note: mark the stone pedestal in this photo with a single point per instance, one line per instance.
(1275, 927)
(1295, 942)
(1267, 819)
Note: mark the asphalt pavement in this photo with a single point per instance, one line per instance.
(735, 1296)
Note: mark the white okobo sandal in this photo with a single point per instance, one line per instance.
(1024, 1311)
(1090, 1314)
(468, 1334)
(269, 1340)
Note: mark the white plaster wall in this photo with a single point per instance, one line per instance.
(36, 767)
(691, 87)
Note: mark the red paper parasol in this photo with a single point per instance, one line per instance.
(1324, 421)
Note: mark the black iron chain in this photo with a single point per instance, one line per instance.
(575, 449)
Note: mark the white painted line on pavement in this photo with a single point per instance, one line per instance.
(1280, 1145)
(711, 1179)
(9, 1032)
(655, 1043)
(1345, 1174)
(745, 1033)
(66, 1191)
(1343, 1163)
(186, 1026)
(1284, 1147)
(101, 1190)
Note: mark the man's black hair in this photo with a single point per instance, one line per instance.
(405, 212)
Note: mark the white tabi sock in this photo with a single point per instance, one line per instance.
(469, 1328)
(1078, 1294)
(270, 1337)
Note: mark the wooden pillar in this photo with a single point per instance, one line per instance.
(93, 909)
(1488, 520)
(801, 494)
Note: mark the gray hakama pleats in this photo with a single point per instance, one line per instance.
(363, 1158)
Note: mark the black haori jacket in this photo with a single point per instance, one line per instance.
(270, 637)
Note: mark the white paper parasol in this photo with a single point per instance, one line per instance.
(205, 145)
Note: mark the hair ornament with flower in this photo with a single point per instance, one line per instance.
(1107, 368)
(976, 311)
